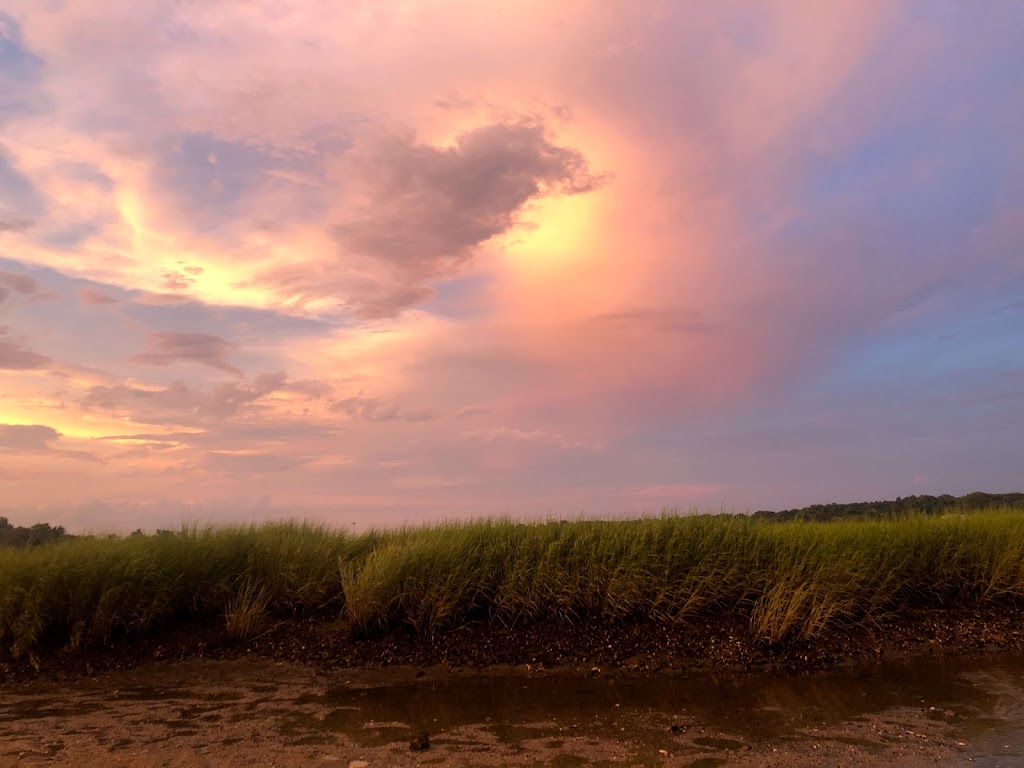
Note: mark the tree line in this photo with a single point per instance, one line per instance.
(43, 533)
(899, 507)
(32, 536)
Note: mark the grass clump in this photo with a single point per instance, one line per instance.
(786, 579)
(246, 613)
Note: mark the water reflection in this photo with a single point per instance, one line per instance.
(753, 708)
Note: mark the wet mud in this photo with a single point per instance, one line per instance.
(962, 710)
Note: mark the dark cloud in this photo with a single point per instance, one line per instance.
(15, 356)
(426, 209)
(372, 409)
(219, 402)
(26, 437)
(418, 212)
(384, 301)
(171, 347)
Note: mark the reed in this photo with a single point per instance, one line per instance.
(787, 580)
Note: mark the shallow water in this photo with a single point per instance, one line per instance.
(981, 700)
(952, 711)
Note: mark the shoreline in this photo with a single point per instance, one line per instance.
(700, 644)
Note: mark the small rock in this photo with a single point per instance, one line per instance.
(420, 744)
(358, 764)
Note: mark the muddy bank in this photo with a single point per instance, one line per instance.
(951, 711)
(717, 643)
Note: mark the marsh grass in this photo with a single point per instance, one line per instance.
(246, 613)
(788, 580)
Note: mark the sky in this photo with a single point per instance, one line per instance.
(377, 263)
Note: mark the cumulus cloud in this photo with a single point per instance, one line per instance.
(415, 212)
(165, 348)
(425, 207)
(26, 437)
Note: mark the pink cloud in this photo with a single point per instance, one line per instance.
(93, 297)
(581, 228)
(167, 347)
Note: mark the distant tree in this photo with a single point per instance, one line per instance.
(20, 536)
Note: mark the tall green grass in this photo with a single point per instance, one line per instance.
(794, 579)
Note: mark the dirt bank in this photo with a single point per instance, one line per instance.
(718, 643)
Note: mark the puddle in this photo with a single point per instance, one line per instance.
(749, 709)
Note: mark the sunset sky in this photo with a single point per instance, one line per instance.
(388, 262)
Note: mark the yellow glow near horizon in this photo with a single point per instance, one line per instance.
(67, 423)
(76, 424)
